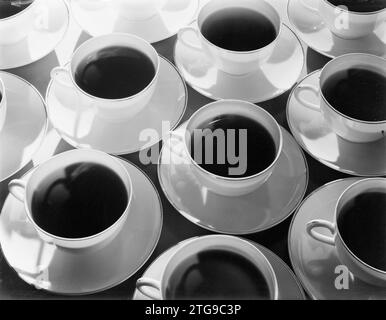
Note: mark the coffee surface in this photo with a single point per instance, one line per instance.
(357, 93)
(79, 201)
(115, 73)
(360, 5)
(238, 29)
(362, 225)
(217, 274)
(9, 8)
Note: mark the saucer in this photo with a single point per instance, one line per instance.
(311, 132)
(257, 211)
(74, 272)
(314, 262)
(265, 83)
(38, 43)
(25, 125)
(313, 31)
(105, 19)
(85, 129)
(289, 287)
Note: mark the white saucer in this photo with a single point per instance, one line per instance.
(25, 125)
(289, 287)
(260, 210)
(88, 271)
(311, 132)
(263, 84)
(314, 262)
(83, 129)
(104, 20)
(313, 31)
(38, 43)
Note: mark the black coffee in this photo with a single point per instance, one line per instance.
(115, 73)
(357, 93)
(11, 7)
(256, 149)
(362, 225)
(1, 96)
(79, 201)
(238, 29)
(360, 5)
(217, 274)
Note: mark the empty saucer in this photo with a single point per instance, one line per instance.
(312, 133)
(25, 125)
(104, 18)
(257, 211)
(314, 262)
(39, 42)
(82, 128)
(75, 272)
(313, 31)
(289, 287)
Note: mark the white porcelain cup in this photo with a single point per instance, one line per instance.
(156, 289)
(110, 109)
(129, 9)
(3, 104)
(358, 267)
(16, 27)
(348, 128)
(232, 62)
(344, 23)
(229, 186)
(24, 191)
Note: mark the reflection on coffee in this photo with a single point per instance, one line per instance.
(360, 5)
(115, 73)
(256, 148)
(79, 201)
(362, 225)
(217, 274)
(9, 8)
(357, 93)
(238, 29)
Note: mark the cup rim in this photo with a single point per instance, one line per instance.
(355, 12)
(337, 226)
(275, 292)
(277, 156)
(332, 107)
(20, 12)
(278, 34)
(121, 34)
(122, 217)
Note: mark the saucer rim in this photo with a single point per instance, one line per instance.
(73, 294)
(324, 53)
(44, 128)
(278, 94)
(76, 145)
(51, 49)
(233, 233)
(294, 134)
(295, 267)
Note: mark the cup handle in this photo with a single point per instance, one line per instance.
(62, 75)
(306, 5)
(321, 237)
(17, 189)
(180, 138)
(307, 87)
(143, 285)
(183, 32)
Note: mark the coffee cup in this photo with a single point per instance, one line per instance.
(66, 186)
(206, 255)
(15, 24)
(347, 23)
(122, 66)
(362, 127)
(234, 182)
(235, 61)
(3, 104)
(355, 231)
